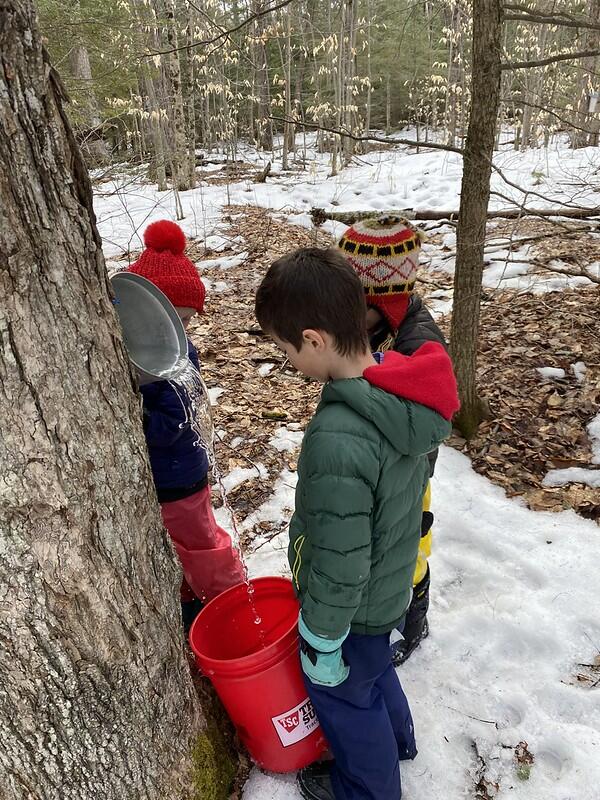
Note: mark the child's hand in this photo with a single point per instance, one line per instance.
(321, 658)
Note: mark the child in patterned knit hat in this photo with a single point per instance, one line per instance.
(179, 465)
(384, 252)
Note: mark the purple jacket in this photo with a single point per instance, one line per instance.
(177, 461)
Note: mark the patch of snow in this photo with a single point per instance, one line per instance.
(335, 229)
(216, 287)
(513, 613)
(286, 440)
(224, 262)
(238, 475)
(217, 242)
(562, 477)
(449, 241)
(264, 369)
(303, 219)
(579, 370)
(271, 558)
(214, 394)
(593, 430)
(551, 373)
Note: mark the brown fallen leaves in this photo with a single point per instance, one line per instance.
(538, 424)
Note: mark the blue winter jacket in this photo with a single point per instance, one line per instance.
(177, 461)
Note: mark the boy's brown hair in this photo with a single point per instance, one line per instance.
(318, 289)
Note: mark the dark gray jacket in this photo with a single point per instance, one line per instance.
(417, 327)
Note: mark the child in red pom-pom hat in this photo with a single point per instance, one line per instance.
(384, 253)
(180, 467)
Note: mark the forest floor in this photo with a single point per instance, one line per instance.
(511, 669)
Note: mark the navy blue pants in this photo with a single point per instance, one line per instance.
(367, 722)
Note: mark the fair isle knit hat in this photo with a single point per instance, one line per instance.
(384, 252)
(164, 263)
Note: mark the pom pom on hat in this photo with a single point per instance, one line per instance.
(165, 235)
(163, 262)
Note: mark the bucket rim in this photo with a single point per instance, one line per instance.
(132, 277)
(223, 665)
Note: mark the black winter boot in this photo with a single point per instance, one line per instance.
(314, 781)
(416, 627)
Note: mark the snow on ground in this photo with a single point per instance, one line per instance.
(214, 394)
(382, 180)
(286, 439)
(551, 373)
(594, 433)
(514, 611)
(579, 369)
(238, 475)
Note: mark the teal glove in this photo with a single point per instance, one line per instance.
(321, 658)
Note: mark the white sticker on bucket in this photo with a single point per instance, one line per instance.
(296, 724)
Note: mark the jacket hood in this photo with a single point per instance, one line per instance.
(424, 377)
(410, 399)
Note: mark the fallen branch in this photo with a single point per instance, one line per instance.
(319, 215)
(313, 126)
(571, 272)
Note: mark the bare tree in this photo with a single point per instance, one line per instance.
(584, 119)
(180, 155)
(96, 698)
(475, 194)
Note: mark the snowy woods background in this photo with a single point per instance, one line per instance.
(152, 80)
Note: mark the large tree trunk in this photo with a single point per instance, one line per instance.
(475, 194)
(96, 698)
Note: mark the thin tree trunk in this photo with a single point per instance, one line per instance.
(388, 105)
(191, 99)
(179, 155)
(583, 119)
(475, 193)
(263, 123)
(369, 102)
(455, 70)
(94, 146)
(160, 160)
(96, 700)
(348, 72)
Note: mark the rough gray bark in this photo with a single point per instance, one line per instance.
(475, 195)
(96, 699)
(585, 121)
(264, 133)
(348, 67)
(94, 146)
(180, 157)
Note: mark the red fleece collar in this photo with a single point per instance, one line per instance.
(425, 377)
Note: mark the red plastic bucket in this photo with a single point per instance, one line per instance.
(255, 670)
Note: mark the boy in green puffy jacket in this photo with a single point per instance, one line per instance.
(355, 533)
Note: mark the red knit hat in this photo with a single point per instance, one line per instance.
(164, 263)
(385, 254)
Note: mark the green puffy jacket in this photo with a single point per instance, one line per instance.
(355, 533)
